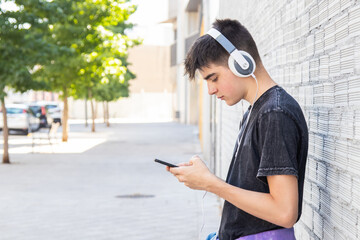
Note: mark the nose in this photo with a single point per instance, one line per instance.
(211, 88)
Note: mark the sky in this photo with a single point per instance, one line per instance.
(148, 18)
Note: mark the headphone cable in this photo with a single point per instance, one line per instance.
(248, 117)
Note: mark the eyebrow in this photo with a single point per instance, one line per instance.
(209, 76)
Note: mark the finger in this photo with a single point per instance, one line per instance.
(180, 178)
(184, 164)
(195, 156)
(174, 171)
(194, 159)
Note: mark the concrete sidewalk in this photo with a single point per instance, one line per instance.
(108, 189)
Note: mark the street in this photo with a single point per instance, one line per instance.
(103, 185)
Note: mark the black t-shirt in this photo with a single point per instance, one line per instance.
(274, 142)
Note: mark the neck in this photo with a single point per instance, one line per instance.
(265, 82)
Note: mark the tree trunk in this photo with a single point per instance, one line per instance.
(96, 109)
(107, 115)
(104, 111)
(6, 158)
(86, 114)
(65, 125)
(92, 111)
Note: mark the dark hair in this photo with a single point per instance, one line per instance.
(207, 50)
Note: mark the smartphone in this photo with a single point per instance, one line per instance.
(165, 163)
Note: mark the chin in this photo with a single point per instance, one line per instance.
(230, 103)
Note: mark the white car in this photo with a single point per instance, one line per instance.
(20, 118)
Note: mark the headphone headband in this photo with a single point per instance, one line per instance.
(229, 47)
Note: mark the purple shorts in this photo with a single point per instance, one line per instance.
(278, 234)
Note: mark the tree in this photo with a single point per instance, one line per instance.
(85, 36)
(112, 90)
(22, 47)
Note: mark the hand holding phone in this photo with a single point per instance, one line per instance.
(165, 163)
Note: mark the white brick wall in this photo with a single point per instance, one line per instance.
(312, 49)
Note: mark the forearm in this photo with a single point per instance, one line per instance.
(261, 205)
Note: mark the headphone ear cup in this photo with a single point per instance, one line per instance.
(238, 70)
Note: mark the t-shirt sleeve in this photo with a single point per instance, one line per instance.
(278, 145)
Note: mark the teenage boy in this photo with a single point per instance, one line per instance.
(263, 190)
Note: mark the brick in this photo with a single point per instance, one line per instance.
(329, 99)
(342, 30)
(321, 175)
(310, 40)
(340, 234)
(312, 169)
(329, 37)
(341, 153)
(325, 204)
(347, 59)
(345, 4)
(334, 120)
(355, 202)
(332, 181)
(305, 66)
(328, 230)
(323, 11)
(354, 21)
(336, 213)
(329, 150)
(345, 187)
(347, 124)
(323, 125)
(319, 146)
(314, 18)
(307, 190)
(341, 92)
(314, 69)
(318, 225)
(315, 196)
(307, 216)
(334, 8)
(334, 64)
(353, 155)
(354, 89)
(349, 220)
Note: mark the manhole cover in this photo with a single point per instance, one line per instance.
(136, 195)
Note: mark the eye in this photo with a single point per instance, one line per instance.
(214, 79)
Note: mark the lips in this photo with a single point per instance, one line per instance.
(222, 97)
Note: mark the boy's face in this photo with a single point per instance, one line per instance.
(224, 84)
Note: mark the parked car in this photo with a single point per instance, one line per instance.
(42, 113)
(20, 118)
(54, 110)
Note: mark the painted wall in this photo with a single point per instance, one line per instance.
(312, 49)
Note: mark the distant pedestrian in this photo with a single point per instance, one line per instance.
(263, 190)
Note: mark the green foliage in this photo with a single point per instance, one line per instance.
(22, 44)
(92, 47)
(59, 44)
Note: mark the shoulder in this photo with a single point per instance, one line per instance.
(280, 103)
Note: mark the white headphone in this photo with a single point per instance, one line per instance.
(240, 62)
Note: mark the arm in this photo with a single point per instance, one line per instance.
(279, 207)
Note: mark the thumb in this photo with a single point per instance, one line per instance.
(194, 159)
